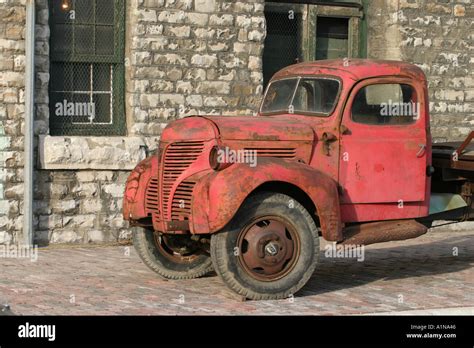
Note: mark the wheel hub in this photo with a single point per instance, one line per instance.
(269, 248)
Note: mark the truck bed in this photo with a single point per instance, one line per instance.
(455, 176)
(443, 155)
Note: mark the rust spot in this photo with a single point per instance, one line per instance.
(257, 136)
(357, 172)
(380, 232)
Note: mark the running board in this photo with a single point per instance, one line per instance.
(383, 231)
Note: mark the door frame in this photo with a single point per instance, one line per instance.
(357, 212)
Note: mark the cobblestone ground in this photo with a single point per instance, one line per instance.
(431, 273)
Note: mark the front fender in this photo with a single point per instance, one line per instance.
(218, 195)
(135, 188)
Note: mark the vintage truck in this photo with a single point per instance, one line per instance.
(339, 149)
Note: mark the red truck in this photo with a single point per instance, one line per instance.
(339, 149)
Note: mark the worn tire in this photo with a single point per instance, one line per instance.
(230, 268)
(146, 247)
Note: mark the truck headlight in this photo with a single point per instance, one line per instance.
(215, 158)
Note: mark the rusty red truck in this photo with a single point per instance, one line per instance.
(339, 148)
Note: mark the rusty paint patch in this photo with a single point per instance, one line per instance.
(384, 231)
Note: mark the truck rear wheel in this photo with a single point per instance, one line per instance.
(172, 256)
(269, 250)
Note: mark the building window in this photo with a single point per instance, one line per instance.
(87, 71)
(283, 43)
(306, 32)
(332, 38)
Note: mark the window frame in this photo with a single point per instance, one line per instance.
(118, 124)
(306, 113)
(353, 14)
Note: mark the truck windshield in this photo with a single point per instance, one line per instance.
(316, 96)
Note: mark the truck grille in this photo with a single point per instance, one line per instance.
(181, 207)
(177, 158)
(152, 201)
(273, 152)
(151, 198)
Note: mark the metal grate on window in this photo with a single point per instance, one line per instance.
(83, 93)
(284, 40)
(87, 70)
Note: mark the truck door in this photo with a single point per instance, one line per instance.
(385, 145)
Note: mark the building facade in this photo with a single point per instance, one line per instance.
(110, 75)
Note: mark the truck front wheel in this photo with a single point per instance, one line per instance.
(172, 256)
(269, 250)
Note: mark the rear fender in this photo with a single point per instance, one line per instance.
(218, 195)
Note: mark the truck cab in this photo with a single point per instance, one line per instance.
(371, 122)
(339, 149)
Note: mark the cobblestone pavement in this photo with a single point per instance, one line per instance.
(426, 274)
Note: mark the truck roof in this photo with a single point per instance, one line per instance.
(356, 69)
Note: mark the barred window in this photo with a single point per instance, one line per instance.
(307, 30)
(284, 41)
(87, 71)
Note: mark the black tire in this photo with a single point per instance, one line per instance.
(166, 263)
(255, 218)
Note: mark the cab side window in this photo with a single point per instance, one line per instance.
(386, 104)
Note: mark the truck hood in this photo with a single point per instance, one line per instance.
(237, 128)
(261, 129)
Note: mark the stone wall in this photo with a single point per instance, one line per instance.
(193, 57)
(80, 206)
(12, 108)
(437, 35)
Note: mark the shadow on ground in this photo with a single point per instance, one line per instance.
(388, 263)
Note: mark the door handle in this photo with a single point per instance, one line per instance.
(422, 150)
(329, 137)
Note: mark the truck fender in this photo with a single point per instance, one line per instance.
(219, 195)
(136, 186)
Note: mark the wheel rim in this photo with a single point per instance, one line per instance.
(177, 250)
(268, 248)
